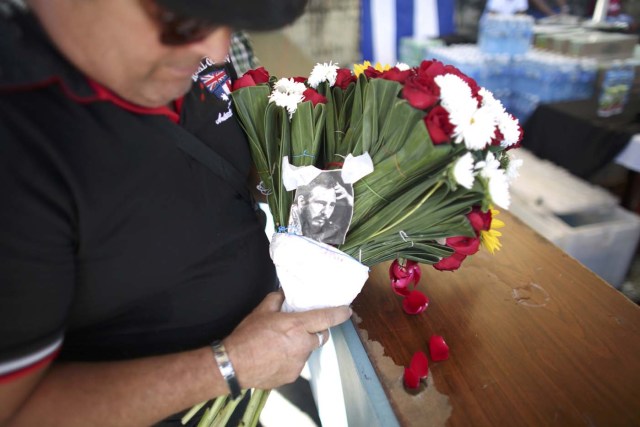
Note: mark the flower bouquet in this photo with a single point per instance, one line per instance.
(375, 164)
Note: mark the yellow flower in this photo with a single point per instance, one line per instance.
(359, 68)
(490, 239)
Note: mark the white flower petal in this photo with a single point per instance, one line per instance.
(463, 171)
(512, 170)
(489, 166)
(499, 189)
(509, 128)
(402, 66)
(323, 73)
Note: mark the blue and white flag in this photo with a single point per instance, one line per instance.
(384, 22)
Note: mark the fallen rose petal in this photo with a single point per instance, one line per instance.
(415, 303)
(411, 380)
(419, 364)
(438, 349)
(401, 286)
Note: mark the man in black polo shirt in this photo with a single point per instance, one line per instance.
(124, 249)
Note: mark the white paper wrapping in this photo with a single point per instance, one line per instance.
(315, 275)
(353, 168)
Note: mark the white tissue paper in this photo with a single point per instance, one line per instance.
(353, 168)
(315, 275)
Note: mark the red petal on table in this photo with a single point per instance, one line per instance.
(438, 348)
(419, 364)
(401, 286)
(415, 303)
(411, 380)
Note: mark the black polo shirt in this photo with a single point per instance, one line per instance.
(114, 243)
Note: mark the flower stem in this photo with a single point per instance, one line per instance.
(408, 214)
(256, 403)
(226, 412)
(192, 412)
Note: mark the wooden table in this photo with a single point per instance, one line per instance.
(535, 339)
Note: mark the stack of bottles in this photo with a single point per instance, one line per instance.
(505, 34)
(521, 82)
(540, 76)
(492, 71)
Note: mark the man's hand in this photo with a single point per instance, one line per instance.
(343, 195)
(269, 348)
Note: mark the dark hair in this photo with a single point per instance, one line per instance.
(325, 180)
(258, 15)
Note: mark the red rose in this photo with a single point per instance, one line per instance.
(438, 125)
(313, 96)
(344, 78)
(464, 245)
(372, 73)
(396, 75)
(450, 263)
(300, 79)
(421, 92)
(244, 81)
(431, 69)
(259, 75)
(480, 221)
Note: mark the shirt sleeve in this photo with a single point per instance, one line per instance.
(36, 250)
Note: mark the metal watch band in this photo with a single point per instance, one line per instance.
(226, 368)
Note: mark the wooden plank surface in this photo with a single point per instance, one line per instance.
(535, 339)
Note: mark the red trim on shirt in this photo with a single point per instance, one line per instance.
(12, 376)
(101, 93)
(104, 94)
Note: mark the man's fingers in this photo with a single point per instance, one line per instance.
(322, 319)
(272, 302)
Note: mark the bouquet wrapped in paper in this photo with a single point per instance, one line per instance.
(375, 164)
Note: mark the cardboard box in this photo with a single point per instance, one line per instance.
(602, 45)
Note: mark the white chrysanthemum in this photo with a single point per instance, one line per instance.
(289, 86)
(323, 73)
(498, 184)
(513, 169)
(454, 92)
(287, 93)
(463, 171)
(509, 128)
(499, 189)
(494, 105)
(488, 166)
(474, 126)
(402, 66)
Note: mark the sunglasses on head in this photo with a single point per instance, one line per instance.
(176, 30)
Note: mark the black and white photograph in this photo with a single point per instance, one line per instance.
(323, 208)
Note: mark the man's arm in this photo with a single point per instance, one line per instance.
(267, 349)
